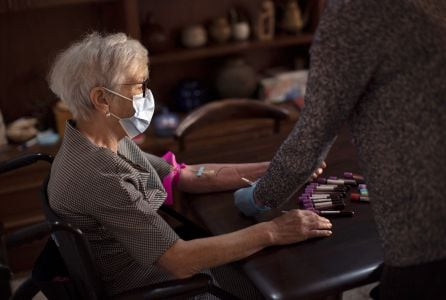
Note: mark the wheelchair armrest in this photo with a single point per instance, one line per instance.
(5, 273)
(5, 277)
(27, 234)
(195, 285)
(24, 160)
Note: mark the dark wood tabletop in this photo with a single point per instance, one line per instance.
(315, 268)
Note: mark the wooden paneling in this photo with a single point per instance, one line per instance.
(32, 32)
(30, 40)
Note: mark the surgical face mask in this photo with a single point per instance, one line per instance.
(144, 109)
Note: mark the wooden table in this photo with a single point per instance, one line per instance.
(316, 268)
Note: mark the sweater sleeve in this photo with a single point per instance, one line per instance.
(344, 54)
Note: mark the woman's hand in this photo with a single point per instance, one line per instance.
(298, 225)
(319, 170)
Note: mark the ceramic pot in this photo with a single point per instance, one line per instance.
(220, 31)
(154, 36)
(236, 80)
(193, 36)
(241, 31)
(292, 18)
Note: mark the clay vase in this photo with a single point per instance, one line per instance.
(265, 21)
(236, 80)
(241, 31)
(154, 36)
(193, 36)
(292, 18)
(219, 30)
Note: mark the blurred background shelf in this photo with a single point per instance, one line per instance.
(19, 5)
(181, 55)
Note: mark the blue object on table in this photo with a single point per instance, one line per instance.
(244, 201)
(165, 123)
(190, 94)
(47, 137)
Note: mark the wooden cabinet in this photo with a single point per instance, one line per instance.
(32, 32)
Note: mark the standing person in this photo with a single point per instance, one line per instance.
(380, 67)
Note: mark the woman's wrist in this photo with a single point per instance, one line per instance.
(269, 229)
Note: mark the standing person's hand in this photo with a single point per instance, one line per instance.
(298, 225)
(245, 202)
(244, 197)
(319, 170)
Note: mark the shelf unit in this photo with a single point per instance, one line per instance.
(181, 55)
(20, 5)
(51, 25)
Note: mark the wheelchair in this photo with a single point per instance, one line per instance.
(65, 268)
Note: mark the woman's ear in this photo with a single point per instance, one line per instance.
(98, 100)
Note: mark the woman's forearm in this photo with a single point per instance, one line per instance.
(219, 177)
(186, 258)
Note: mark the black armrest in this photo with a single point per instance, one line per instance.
(27, 234)
(5, 273)
(5, 277)
(23, 161)
(195, 285)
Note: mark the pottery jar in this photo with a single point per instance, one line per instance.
(220, 31)
(236, 79)
(193, 36)
(241, 31)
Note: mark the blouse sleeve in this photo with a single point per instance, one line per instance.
(160, 165)
(127, 214)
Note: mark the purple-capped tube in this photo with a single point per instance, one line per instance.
(337, 181)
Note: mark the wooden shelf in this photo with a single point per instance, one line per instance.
(180, 55)
(18, 5)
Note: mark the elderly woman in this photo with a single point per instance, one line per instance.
(104, 184)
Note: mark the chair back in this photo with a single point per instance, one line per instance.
(5, 273)
(228, 109)
(76, 253)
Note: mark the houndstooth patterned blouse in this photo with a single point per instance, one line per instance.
(114, 198)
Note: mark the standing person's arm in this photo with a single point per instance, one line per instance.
(346, 51)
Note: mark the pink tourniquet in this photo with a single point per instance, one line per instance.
(172, 178)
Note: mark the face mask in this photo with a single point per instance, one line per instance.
(144, 109)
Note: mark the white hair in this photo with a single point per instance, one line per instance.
(94, 61)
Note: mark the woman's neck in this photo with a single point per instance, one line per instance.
(100, 132)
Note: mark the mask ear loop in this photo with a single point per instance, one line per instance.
(108, 113)
(117, 94)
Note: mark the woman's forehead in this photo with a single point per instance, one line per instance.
(138, 75)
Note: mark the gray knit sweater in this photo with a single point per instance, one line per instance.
(380, 66)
